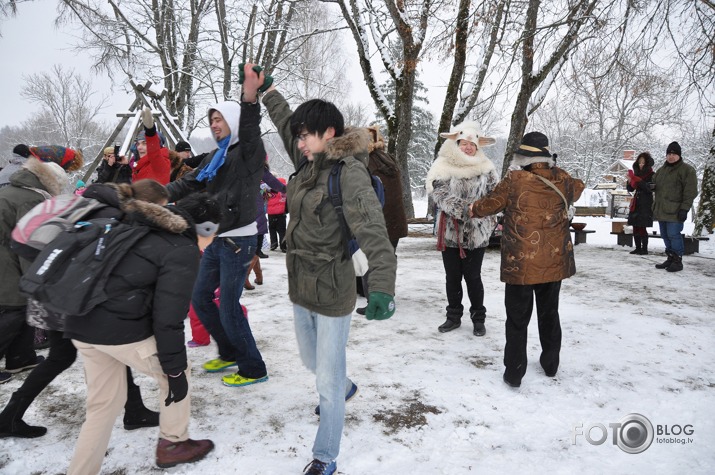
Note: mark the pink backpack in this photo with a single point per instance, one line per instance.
(46, 220)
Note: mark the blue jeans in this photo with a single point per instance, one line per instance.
(222, 266)
(673, 240)
(321, 343)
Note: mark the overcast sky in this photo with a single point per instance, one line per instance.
(31, 44)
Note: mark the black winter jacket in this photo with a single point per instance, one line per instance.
(238, 181)
(150, 290)
(642, 213)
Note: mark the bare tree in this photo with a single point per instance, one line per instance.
(463, 90)
(381, 24)
(69, 104)
(536, 79)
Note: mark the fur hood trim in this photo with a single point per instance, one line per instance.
(354, 142)
(523, 161)
(377, 141)
(150, 213)
(51, 175)
(451, 162)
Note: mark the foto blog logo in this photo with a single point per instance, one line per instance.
(633, 434)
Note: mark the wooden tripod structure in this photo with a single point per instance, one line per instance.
(165, 123)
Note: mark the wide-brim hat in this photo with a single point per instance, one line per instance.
(534, 144)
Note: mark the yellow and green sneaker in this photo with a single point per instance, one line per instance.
(214, 366)
(237, 380)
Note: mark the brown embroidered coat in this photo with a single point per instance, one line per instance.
(536, 243)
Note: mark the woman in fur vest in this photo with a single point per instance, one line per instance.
(460, 175)
(640, 215)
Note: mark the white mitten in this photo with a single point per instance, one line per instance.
(147, 118)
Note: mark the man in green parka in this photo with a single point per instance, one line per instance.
(321, 278)
(676, 186)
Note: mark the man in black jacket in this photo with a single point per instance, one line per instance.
(141, 324)
(232, 174)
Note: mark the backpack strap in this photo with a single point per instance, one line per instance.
(336, 199)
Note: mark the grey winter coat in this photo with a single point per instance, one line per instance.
(455, 181)
(320, 277)
(676, 186)
(30, 185)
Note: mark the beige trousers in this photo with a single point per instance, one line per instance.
(107, 392)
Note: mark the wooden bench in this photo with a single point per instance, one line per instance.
(691, 244)
(579, 237)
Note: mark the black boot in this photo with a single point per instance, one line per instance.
(667, 262)
(452, 323)
(637, 241)
(479, 328)
(676, 265)
(11, 423)
(644, 245)
(136, 415)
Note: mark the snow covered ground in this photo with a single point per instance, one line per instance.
(635, 340)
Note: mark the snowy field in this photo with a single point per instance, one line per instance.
(635, 340)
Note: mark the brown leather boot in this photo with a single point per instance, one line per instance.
(170, 454)
(247, 283)
(259, 272)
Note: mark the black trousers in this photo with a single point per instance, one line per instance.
(17, 338)
(61, 356)
(469, 269)
(277, 230)
(519, 302)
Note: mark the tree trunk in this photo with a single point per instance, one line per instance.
(705, 218)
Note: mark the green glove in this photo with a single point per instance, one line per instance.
(380, 306)
(267, 80)
(241, 74)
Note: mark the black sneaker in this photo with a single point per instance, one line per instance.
(361, 310)
(38, 360)
(262, 255)
(479, 329)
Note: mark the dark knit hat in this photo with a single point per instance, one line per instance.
(674, 147)
(22, 150)
(534, 144)
(182, 146)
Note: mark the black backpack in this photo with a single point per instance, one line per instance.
(69, 276)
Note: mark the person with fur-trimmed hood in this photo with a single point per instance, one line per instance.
(321, 278)
(460, 175)
(536, 249)
(33, 183)
(141, 325)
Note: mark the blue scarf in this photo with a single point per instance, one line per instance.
(209, 171)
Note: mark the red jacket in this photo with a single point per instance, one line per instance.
(155, 164)
(277, 201)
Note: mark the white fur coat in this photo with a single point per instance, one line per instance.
(455, 181)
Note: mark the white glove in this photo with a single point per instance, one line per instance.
(147, 118)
